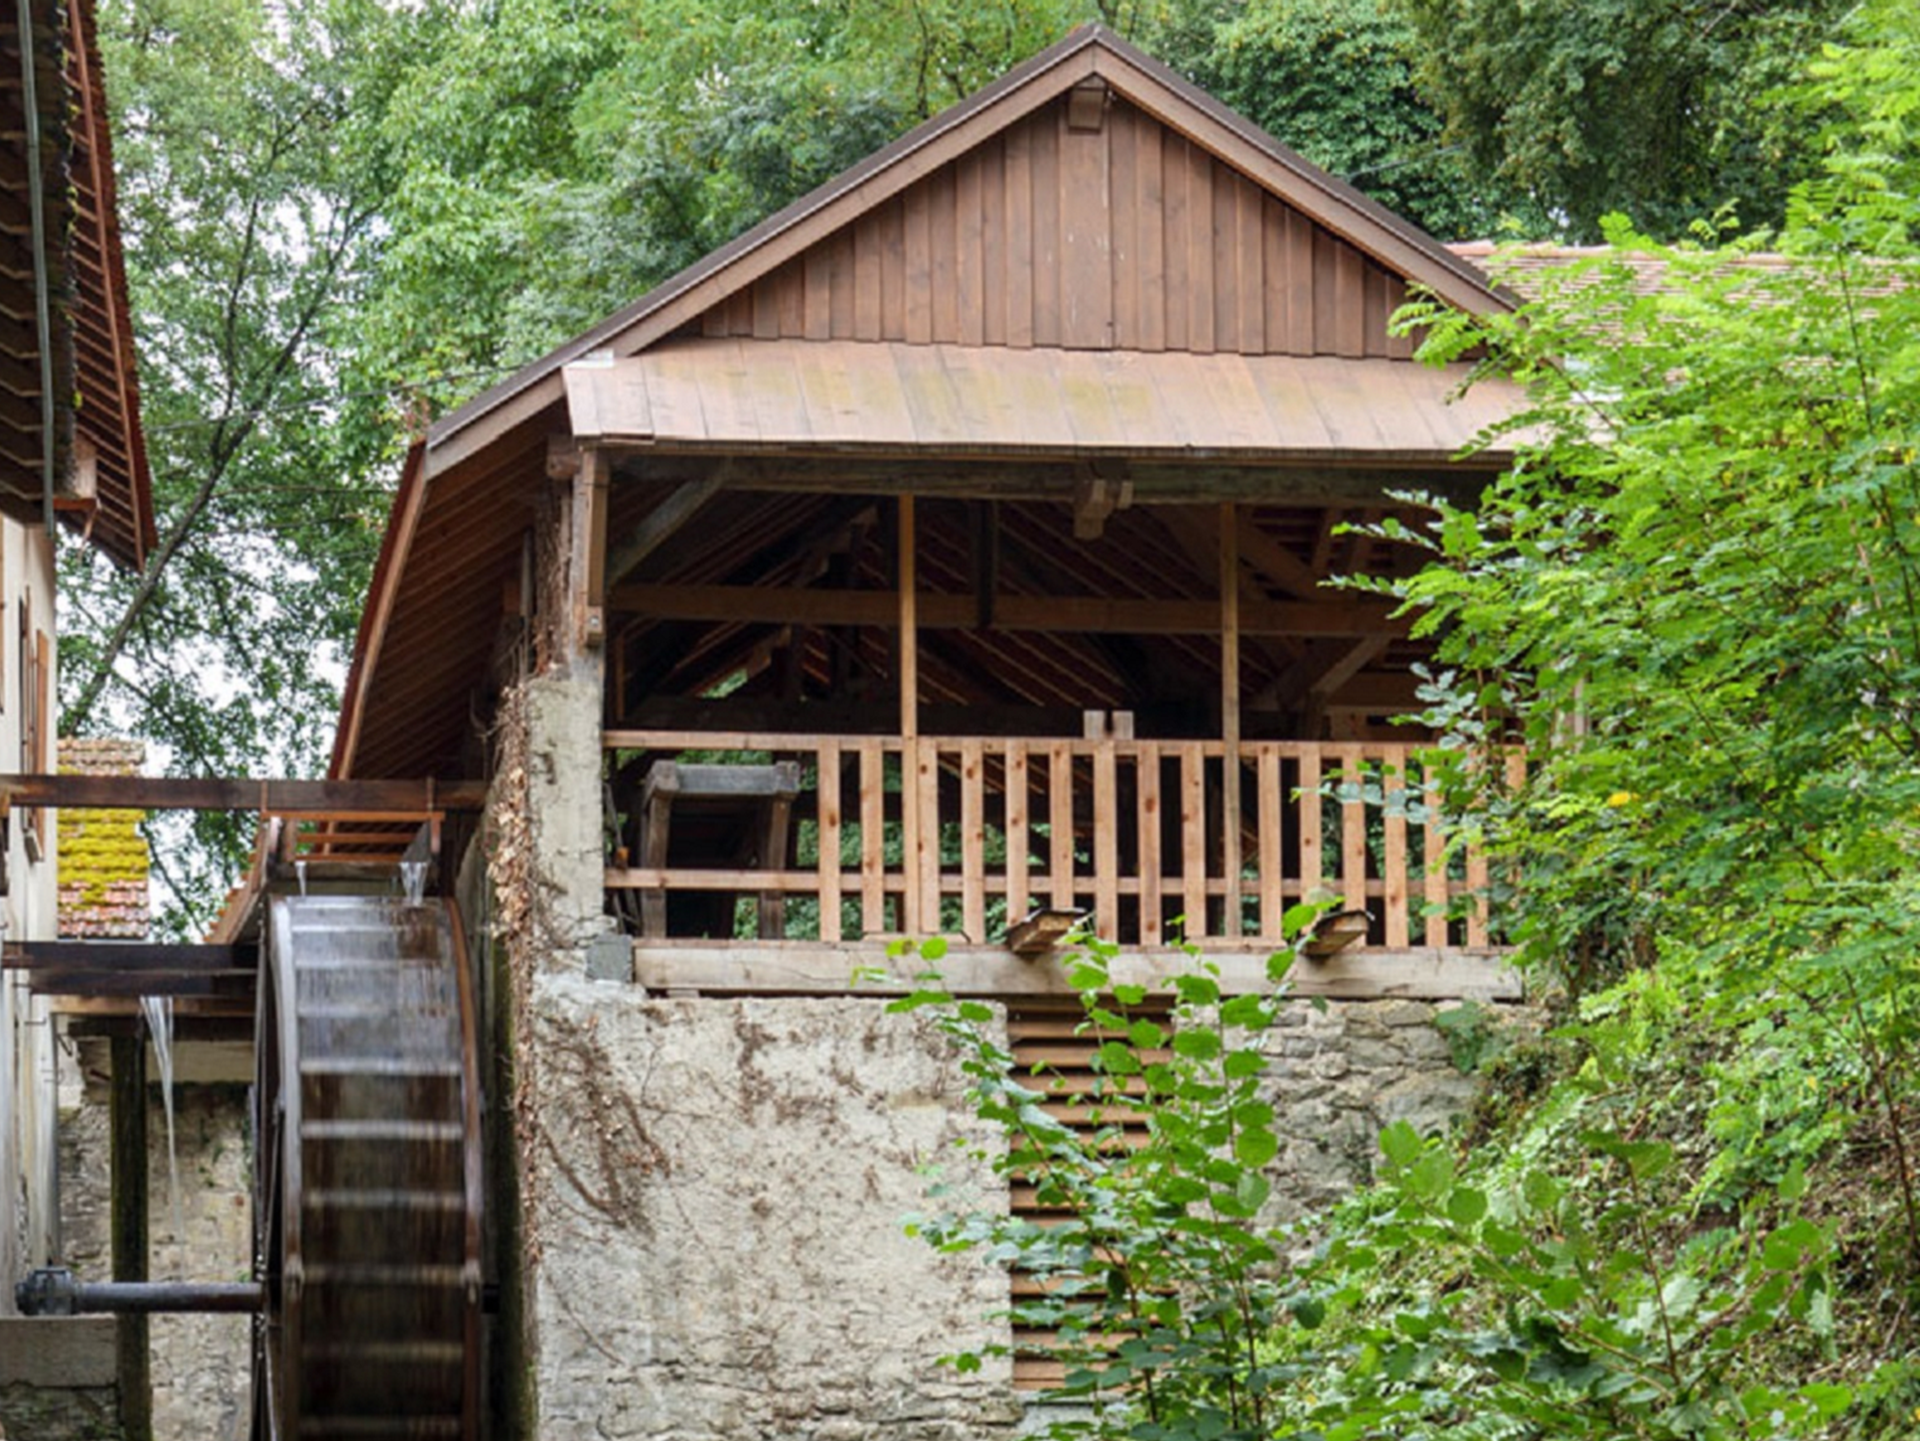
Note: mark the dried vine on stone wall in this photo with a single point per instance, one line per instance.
(519, 926)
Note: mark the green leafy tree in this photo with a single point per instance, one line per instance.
(1337, 81)
(247, 200)
(1655, 108)
(1696, 602)
(1158, 1281)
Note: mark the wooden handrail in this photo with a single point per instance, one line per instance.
(1130, 830)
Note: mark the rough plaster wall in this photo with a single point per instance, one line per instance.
(717, 1219)
(563, 803)
(200, 1363)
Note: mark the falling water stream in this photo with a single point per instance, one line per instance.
(413, 880)
(159, 1013)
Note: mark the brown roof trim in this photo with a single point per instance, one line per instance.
(122, 525)
(395, 543)
(1090, 50)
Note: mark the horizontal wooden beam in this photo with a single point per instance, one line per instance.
(347, 799)
(125, 956)
(773, 605)
(228, 1028)
(66, 981)
(1155, 480)
(236, 1006)
(811, 968)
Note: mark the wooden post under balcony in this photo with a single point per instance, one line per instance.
(914, 847)
(1230, 709)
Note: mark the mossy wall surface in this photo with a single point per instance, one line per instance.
(102, 855)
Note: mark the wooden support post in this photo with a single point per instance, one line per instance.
(1230, 708)
(587, 569)
(1106, 840)
(973, 841)
(127, 1119)
(1393, 863)
(1147, 788)
(907, 655)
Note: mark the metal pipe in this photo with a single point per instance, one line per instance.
(55, 1293)
(153, 1296)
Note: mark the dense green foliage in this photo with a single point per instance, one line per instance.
(1163, 1290)
(1692, 1211)
(1336, 79)
(1658, 109)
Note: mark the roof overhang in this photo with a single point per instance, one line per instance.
(779, 397)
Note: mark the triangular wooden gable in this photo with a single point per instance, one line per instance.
(1089, 198)
(1087, 224)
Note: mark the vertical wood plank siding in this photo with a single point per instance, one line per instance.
(1128, 237)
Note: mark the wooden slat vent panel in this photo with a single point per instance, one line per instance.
(1052, 1047)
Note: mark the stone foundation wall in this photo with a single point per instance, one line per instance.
(714, 1221)
(716, 1207)
(1338, 1076)
(57, 1379)
(200, 1363)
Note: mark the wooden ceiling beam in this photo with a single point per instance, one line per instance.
(1063, 614)
(125, 955)
(1319, 674)
(662, 523)
(1023, 477)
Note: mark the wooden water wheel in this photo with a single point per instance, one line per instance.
(367, 1186)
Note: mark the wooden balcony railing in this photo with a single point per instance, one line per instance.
(963, 835)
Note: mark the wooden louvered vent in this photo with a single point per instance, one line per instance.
(1053, 1045)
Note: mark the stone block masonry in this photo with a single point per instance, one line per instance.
(1338, 1075)
(200, 1363)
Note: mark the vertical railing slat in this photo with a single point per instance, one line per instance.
(1146, 780)
(927, 775)
(1060, 823)
(873, 838)
(827, 796)
(1018, 858)
(1272, 903)
(1312, 864)
(1353, 829)
(1193, 839)
(1393, 861)
(1106, 842)
(1433, 849)
(973, 841)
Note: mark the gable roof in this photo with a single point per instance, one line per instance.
(1225, 245)
(1089, 54)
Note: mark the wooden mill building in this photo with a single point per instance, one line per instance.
(947, 554)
